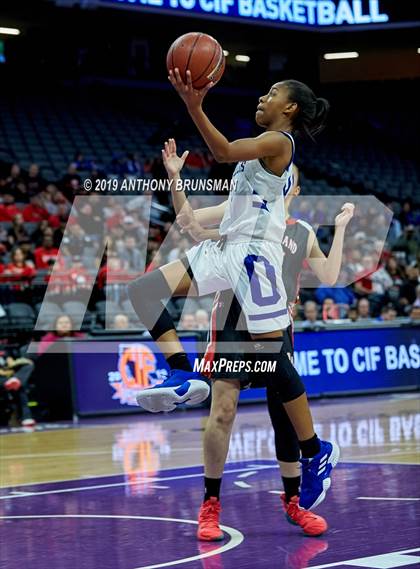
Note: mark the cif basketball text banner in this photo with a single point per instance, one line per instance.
(308, 13)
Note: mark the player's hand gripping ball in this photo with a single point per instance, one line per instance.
(199, 53)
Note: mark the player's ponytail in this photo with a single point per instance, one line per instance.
(311, 113)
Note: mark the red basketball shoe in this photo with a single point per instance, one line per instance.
(311, 524)
(208, 521)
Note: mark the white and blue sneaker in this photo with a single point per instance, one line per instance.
(187, 387)
(316, 475)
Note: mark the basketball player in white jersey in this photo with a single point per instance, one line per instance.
(250, 263)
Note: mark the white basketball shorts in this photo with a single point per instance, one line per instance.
(252, 271)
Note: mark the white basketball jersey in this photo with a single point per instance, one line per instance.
(255, 208)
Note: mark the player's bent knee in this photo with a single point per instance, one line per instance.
(285, 380)
(151, 286)
(223, 414)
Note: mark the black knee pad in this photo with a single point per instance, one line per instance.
(285, 438)
(282, 376)
(146, 294)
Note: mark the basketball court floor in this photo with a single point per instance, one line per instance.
(123, 493)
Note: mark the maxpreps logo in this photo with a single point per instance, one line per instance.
(136, 371)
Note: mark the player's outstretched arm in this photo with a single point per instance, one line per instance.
(271, 143)
(190, 221)
(328, 268)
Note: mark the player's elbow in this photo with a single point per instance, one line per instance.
(224, 153)
(221, 157)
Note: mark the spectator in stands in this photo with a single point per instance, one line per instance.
(416, 303)
(408, 290)
(388, 312)
(8, 208)
(396, 272)
(131, 166)
(60, 217)
(187, 322)
(330, 310)
(14, 378)
(34, 181)
(373, 283)
(19, 269)
(113, 272)
(15, 184)
(3, 236)
(363, 309)
(181, 244)
(35, 212)
(70, 183)
(90, 220)
(82, 163)
(114, 214)
(395, 229)
(352, 314)
(201, 319)
(78, 276)
(310, 312)
(27, 247)
(59, 232)
(133, 256)
(37, 236)
(415, 313)
(63, 329)
(131, 227)
(408, 243)
(17, 232)
(120, 322)
(76, 240)
(46, 254)
(55, 203)
(407, 215)
(354, 265)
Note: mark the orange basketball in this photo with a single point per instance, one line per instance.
(201, 54)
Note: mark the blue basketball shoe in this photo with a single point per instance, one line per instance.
(316, 475)
(187, 387)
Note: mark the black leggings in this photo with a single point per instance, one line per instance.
(282, 386)
(286, 441)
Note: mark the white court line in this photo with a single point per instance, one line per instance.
(114, 474)
(55, 454)
(236, 537)
(349, 561)
(246, 474)
(386, 498)
(116, 484)
(242, 484)
(353, 460)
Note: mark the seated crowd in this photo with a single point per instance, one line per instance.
(35, 223)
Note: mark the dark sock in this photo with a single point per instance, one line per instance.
(310, 447)
(291, 487)
(212, 488)
(179, 361)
